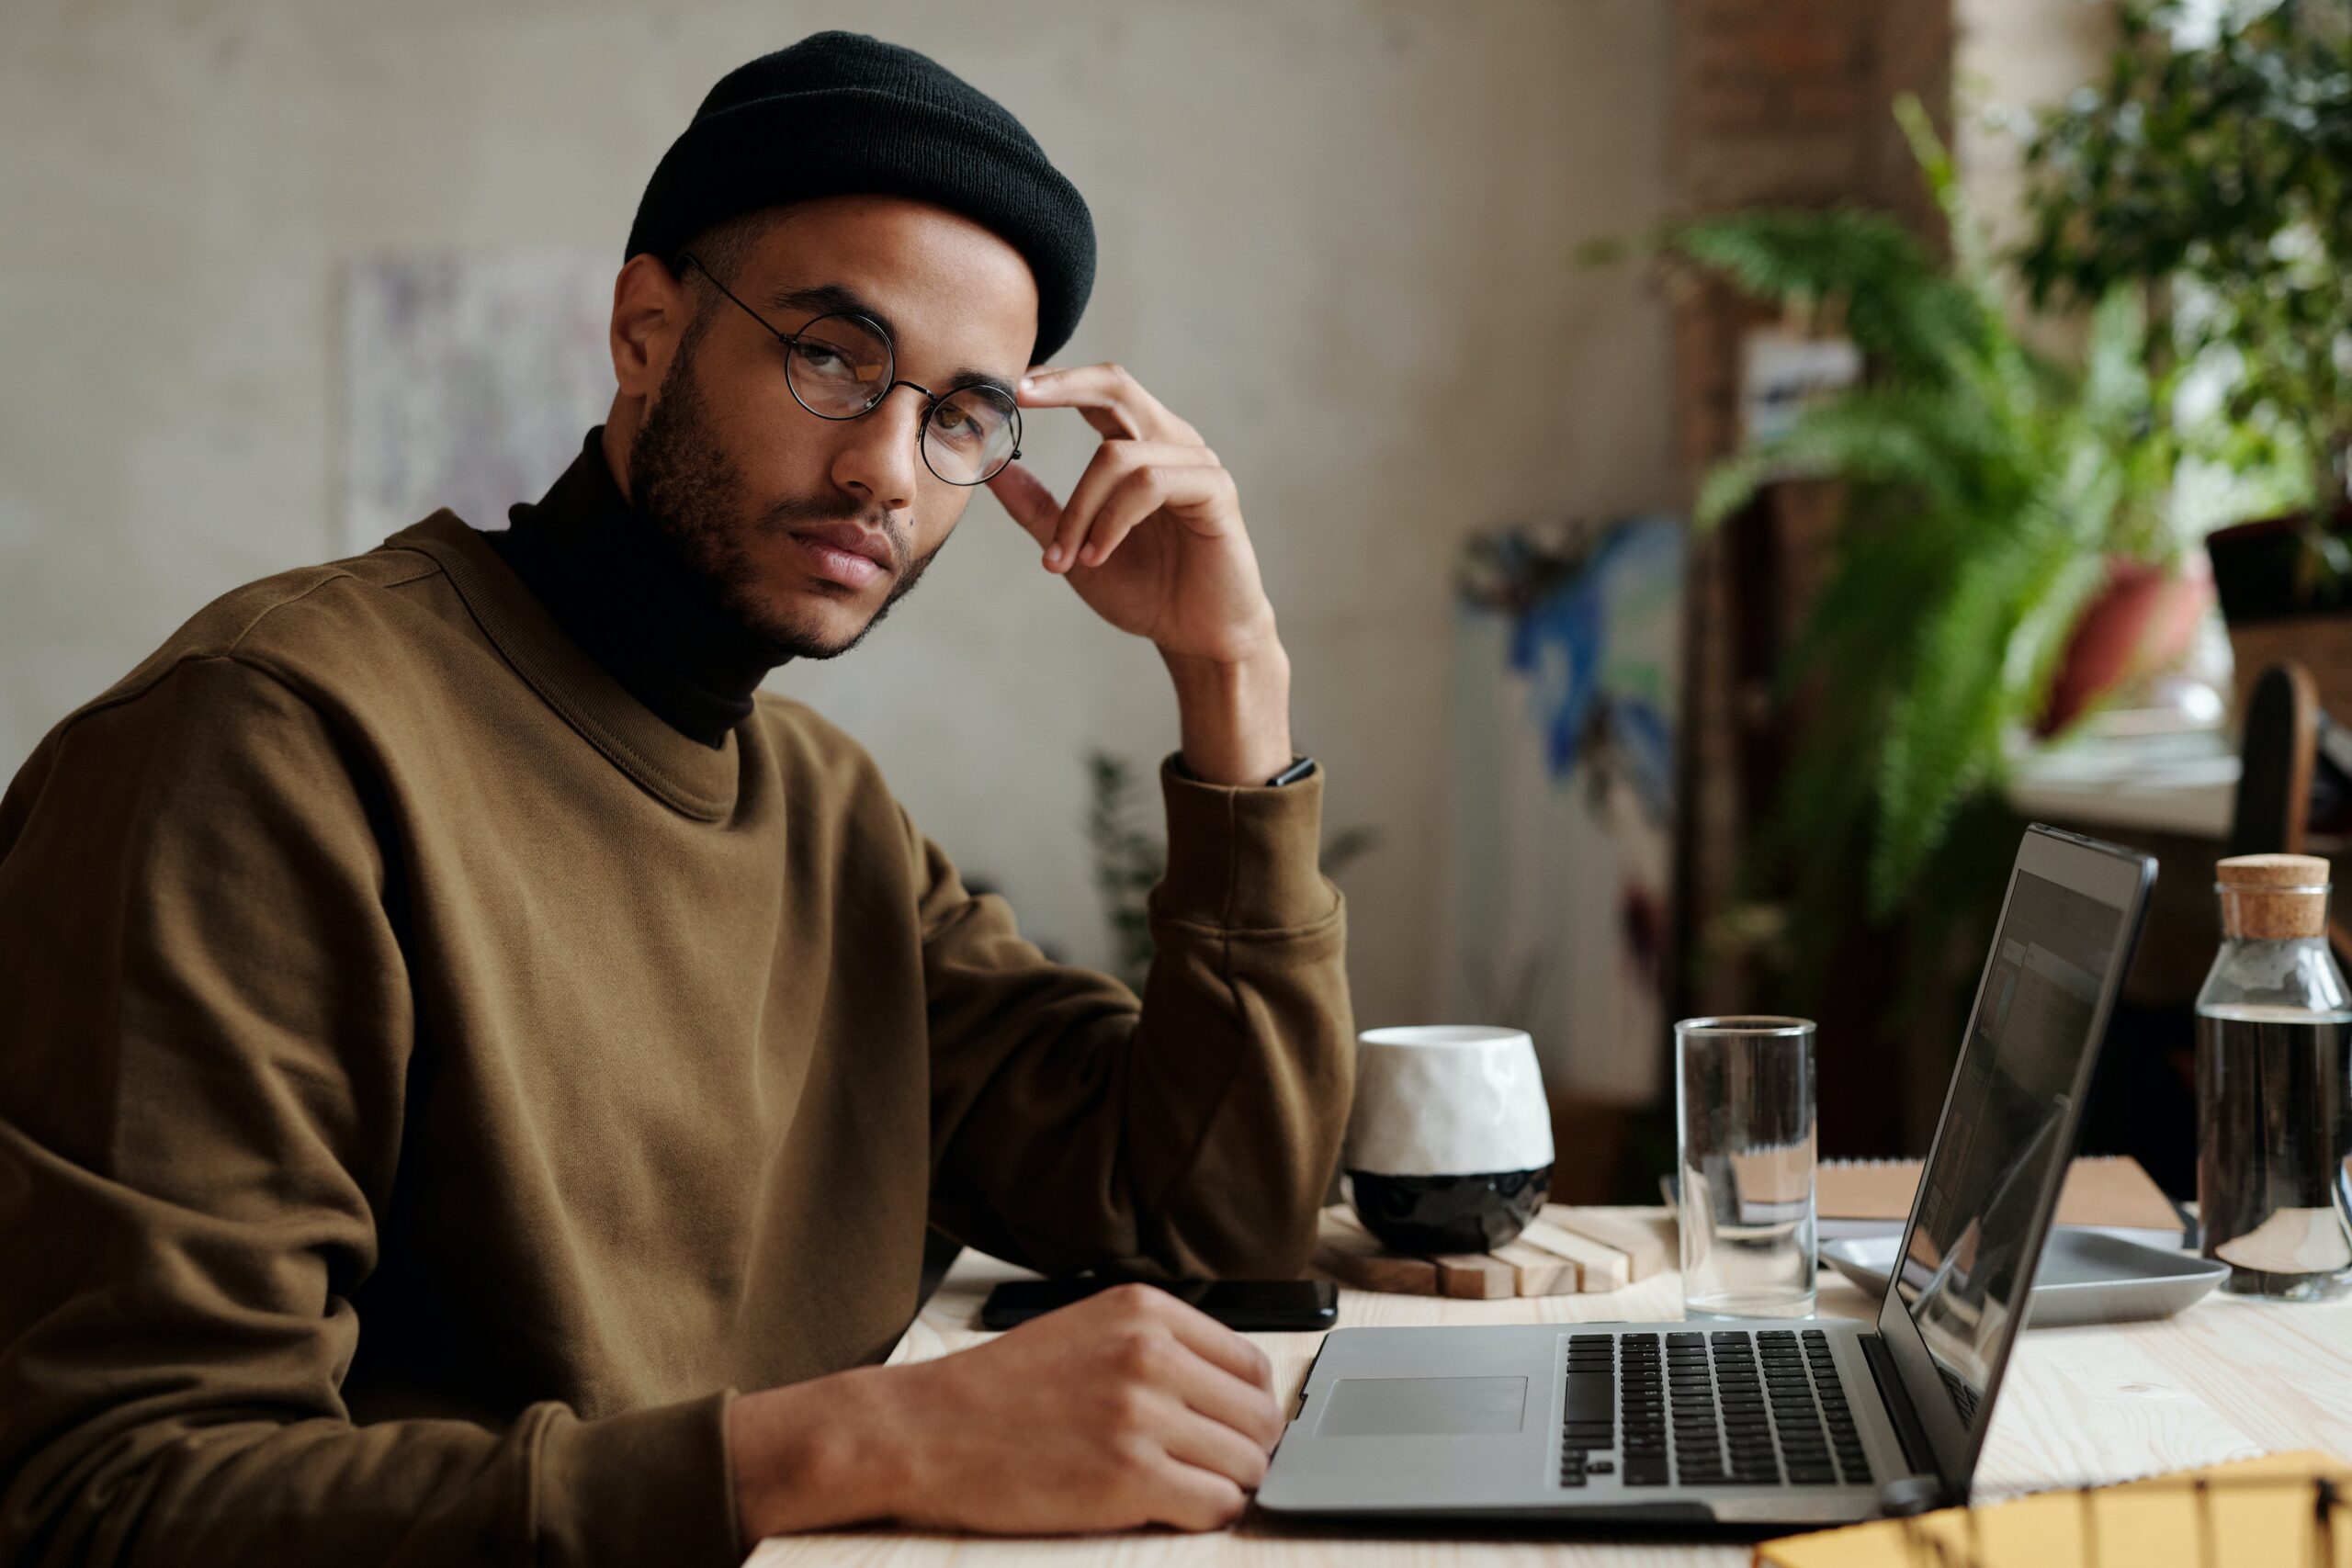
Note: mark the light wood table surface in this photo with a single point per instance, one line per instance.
(2226, 1379)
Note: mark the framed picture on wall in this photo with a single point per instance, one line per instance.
(468, 379)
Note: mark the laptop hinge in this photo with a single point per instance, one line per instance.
(1906, 1496)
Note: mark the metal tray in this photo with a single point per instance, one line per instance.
(2085, 1276)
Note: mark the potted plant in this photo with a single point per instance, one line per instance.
(2210, 170)
(1987, 490)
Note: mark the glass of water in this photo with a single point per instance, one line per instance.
(1742, 1111)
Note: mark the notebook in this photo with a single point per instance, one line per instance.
(2255, 1513)
(2112, 1193)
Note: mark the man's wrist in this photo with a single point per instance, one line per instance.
(814, 1455)
(1234, 716)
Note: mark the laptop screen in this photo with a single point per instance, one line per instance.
(1964, 1271)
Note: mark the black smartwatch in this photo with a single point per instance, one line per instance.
(1299, 768)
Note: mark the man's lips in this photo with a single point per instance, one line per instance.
(843, 552)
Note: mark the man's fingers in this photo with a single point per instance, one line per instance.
(1112, 402)
(1024, 496)
(1215, 1447)
(1192, 1498)
(1112, 466)
(1232, 1399)
(1220, 1346)
(1140, 495)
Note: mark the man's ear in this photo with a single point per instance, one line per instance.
(650, 309)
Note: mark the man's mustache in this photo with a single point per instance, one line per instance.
(794, 511)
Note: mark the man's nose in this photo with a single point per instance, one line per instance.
(880, 461)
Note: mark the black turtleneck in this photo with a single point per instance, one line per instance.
(620, 589)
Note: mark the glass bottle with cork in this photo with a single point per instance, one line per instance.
(2274, 1086)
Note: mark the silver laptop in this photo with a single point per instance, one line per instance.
(1766, 1422)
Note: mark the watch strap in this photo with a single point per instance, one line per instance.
(1299, 768)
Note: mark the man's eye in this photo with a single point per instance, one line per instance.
(820, 357)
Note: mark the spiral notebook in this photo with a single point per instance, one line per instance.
(2112, 1193)
(2278, 1511)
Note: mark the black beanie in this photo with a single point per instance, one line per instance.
(840, 114)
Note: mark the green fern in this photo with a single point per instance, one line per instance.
(1986, 486)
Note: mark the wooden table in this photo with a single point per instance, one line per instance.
(2227, 1378)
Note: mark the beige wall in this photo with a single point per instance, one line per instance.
(1336, 235)
(2013, 58)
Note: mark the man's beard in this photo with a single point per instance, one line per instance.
(681, 483)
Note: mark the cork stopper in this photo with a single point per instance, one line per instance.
(2272, 897)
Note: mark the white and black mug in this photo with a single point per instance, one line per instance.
(1449, 1146)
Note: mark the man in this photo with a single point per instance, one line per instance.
(477, 1075)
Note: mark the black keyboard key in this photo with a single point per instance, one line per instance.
(1591, 1397)
(1646, 1469)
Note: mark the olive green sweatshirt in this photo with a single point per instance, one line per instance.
(431, 1086)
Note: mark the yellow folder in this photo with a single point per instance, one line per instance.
(2255, 1513)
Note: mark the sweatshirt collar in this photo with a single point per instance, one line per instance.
(621, 588)
(700, 781)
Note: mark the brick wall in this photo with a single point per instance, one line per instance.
(1791, 102)
(1780, 102)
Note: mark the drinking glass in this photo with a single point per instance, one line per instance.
(1743, 1112)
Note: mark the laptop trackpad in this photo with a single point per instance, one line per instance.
(1387, 1407)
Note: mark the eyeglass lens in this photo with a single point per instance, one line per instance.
(839, 368)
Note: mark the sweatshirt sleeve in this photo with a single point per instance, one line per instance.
(1191, 1133)
(204, 1035)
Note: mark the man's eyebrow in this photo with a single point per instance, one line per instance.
(824, 299)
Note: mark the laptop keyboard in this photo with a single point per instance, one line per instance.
(1733, 1407)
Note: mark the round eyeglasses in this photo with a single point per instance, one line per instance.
(839, 366)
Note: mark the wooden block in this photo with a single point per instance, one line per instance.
(1538, 1272)
(1348, 1255)
(1474, 1276)
(1599, 1267)
(1646, 1250)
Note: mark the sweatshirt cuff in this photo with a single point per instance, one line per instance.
(1243, 857)
(646, 1485)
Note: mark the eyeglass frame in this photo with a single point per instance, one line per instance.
(932, 400)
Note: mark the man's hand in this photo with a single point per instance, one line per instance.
(1152, 539)
(1126, 1408)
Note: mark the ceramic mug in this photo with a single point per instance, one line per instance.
(1449, 1146)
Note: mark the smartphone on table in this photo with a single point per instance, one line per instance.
(1237, 1304)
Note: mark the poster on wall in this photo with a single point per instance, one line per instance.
(470, 378)
(1566, 686)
